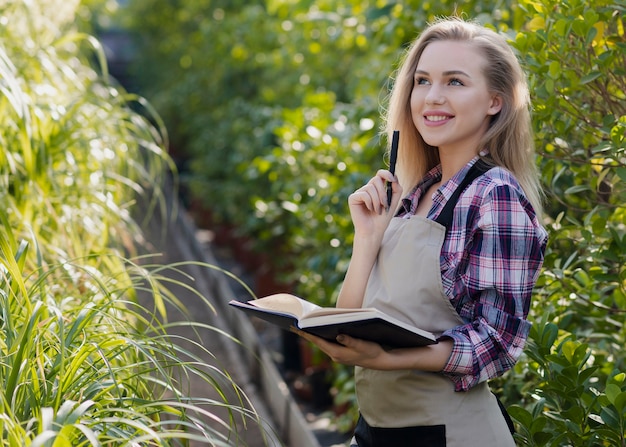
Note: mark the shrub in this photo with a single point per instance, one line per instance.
(573, 383)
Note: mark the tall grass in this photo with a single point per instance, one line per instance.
(82, 362)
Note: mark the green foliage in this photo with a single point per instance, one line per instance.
(276, 106)
(569, 405)
(575, 55)
(311, 137)
(274, 109)
(83, 362)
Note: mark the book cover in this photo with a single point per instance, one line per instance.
(285, 311)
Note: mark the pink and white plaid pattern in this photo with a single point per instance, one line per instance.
(490, 261)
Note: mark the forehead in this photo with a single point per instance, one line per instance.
(451, 55)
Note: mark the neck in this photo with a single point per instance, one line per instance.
(453, 162)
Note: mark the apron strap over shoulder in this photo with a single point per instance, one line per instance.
(445, 219)
(445, 216)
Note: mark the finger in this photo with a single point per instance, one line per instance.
(324, 345)
(384, 178)
(360, 198)
(385, 175)
(373, 195)
(303, 334)
(343, 339)
(378, 191)
(396, 195)
(366, 196)
(374, 192)
(295, 330)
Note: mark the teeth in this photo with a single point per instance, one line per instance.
(436, 118)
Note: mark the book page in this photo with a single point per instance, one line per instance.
(324, 311)
(285, 303)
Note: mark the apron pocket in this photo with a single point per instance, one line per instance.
(421, 436)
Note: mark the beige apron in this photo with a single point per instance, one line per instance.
(406, 283)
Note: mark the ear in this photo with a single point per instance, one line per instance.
(495, 106)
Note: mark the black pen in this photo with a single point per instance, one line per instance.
(392, 162)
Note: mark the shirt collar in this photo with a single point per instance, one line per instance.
(446, 190)
(443, 193)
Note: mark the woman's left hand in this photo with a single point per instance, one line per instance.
(350, 351)
(357, 352)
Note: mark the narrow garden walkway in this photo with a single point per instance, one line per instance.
(172, 248)
(248, 363)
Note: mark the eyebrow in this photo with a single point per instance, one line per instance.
(446, 73)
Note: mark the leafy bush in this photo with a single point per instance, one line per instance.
(573, 382)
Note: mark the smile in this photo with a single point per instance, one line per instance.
(436, 117)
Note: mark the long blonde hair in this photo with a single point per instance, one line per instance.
(509, 138)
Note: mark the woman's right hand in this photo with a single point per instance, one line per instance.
(368, 205)
(370, 216)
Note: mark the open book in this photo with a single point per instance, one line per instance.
(287, 310)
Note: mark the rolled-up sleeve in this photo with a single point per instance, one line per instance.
(493, 285)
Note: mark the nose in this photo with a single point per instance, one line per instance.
(434, 95)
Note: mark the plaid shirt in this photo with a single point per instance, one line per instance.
(490, 261)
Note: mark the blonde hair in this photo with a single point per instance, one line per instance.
(508, 139)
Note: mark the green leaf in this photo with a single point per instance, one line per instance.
(619, 377)
(541, 438)
(590, 77)
(576, 414)
(616, 396)
(521, 415)
(586, 374)
(548, 335)
(562, 27)
(569, 348)
(555, 70)
(591, 34)
(620, 402)
(538, 424)
(577, 189)
(610, 417)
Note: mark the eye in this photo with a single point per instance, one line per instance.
(420, 80)
(455, 81)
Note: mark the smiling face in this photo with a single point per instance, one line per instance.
(451, 104)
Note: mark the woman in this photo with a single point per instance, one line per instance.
(459, 255)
